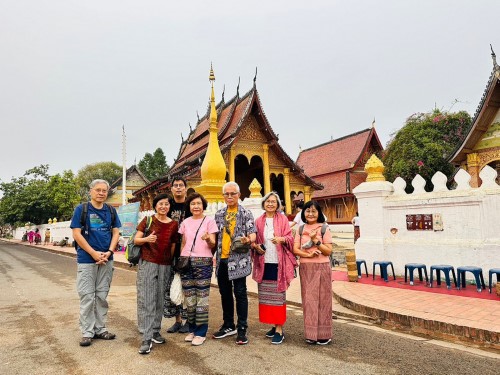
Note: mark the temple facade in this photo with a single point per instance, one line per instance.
(135, 180)
(249, 147)
(481, 147)
(339, 166)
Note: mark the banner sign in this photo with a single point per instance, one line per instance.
(129, 216)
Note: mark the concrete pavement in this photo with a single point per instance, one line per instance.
(471, 321)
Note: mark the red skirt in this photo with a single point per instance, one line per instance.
(272, 304)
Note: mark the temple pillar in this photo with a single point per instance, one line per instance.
(286, 182)
(307, 193)
(232, 156)
(267, 177)
(473, 169)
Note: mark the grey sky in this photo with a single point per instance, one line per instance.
(73, 72)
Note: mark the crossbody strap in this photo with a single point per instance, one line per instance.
(196, 235)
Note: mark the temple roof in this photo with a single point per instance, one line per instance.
(133, 168)
(231, 117)
(328, 162)
(485, 113)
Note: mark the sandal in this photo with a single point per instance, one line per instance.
(105, 336)
(85, 341)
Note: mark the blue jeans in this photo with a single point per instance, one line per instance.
(226, 293)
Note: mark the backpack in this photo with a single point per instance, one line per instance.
(324, 227)
(83, 219)
(133, 251)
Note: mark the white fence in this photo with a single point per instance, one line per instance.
(465, 222)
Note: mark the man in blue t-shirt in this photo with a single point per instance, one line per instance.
(96, 241)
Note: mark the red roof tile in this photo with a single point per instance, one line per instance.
(336, 155)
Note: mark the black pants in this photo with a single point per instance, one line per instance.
(226, 294)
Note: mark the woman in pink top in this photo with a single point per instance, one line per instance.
(314, 250)
(198, 241)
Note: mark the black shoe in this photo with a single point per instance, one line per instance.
(146, 347)
(224, 332)
(278, 338)
(324, 341)
(175, 327)
(242, 338)
(184, 328)
(271, 332)
(158, 338)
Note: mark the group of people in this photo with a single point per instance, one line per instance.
(180, 238)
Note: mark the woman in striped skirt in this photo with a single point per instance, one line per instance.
(198, 241)
(273, 265)
(314, 249)
(158, 245)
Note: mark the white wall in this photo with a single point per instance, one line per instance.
(470, 216)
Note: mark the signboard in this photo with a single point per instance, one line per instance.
(419, 222)
(129, 215)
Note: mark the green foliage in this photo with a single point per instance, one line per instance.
(154, 166)
(35, 197)
(423, 145)
(106, 170)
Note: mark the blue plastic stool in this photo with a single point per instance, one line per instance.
(384, 264)
(478, 275)
(410, 267)
(446, 270)
(492, 271)
(359, 262)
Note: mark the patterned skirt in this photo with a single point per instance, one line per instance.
(196, 288)
(316, 291)
(272, 304)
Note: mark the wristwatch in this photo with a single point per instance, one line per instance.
(317, 243)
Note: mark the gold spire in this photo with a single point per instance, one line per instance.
(213, 168)
(375, 169)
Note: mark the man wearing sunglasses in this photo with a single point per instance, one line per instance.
(234, 222)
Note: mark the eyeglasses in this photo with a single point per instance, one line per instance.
(230, 194)
(178, 185)
(101, 191)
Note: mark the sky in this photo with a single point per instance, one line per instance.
(73, 73)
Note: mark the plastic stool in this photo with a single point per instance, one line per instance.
(384, 264)
(446, 270)
(410, 267)
(478, 275)
(359, 262)
(492, 271)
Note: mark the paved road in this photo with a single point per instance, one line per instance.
(39, 314)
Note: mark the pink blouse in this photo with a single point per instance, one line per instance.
(327, 238)
(188, 229)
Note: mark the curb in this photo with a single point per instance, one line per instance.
(427, 328)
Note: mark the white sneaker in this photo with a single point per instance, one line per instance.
(190, 337)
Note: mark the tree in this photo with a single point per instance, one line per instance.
(36, 196)
(423, 145)
(154, 166)
(106, 170)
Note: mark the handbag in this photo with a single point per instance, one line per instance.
(133, 252)
(184, 262)
(237, 246)
(176, 294)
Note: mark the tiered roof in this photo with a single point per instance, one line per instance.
(485, 113)
(231, 116)
(328, 163)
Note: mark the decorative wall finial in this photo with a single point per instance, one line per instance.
(238, 87)
(182, 138)
(255, 77)
(190, 128)
(223, 91)
(197, 115)
(373, 122)
(494, 57)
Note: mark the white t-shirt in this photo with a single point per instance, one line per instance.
(355, 221)
(271, 255)
(297, 219)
